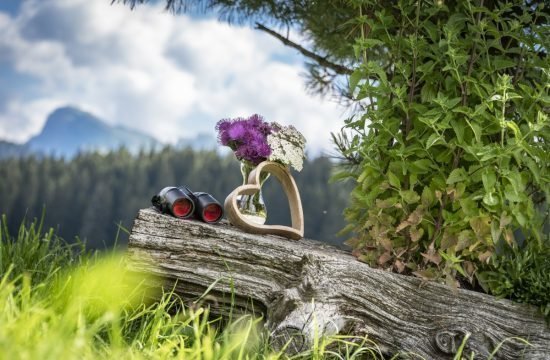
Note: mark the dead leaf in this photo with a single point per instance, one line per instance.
(432, 257)
(386, 243)
(415, 217)
(469, 268)
(402, 226)
(400, 252)
(384, 258)
(399, 266)
(451, 192)
(509, 237)
(452, 283)
(427, 274)
(485, 256)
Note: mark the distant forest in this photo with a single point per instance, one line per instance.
(90, 195)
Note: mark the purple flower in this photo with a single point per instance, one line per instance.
(246, 137)
(237, 131)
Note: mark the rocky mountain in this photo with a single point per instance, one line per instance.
(69, 131)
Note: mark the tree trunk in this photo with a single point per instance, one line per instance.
(305, 289)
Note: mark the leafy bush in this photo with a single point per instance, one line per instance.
(451, 150)
(522, 275)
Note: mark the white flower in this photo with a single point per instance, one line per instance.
(287, 146)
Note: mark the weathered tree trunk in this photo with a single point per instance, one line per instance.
(306, 289)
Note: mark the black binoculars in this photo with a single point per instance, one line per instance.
(183, 203)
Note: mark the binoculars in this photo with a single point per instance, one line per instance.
(183, 203)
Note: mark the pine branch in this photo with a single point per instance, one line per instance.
(339, 69)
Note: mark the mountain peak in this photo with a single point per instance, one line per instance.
(69, 130)
(66, 117)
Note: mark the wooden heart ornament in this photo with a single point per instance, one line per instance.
(282, 174)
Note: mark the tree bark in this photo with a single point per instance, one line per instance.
(306, 289)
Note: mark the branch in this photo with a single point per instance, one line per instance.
(339, 69)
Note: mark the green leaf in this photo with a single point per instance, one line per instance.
(368, 43)
(489, 179)
(465, 238)
(451, 103)
(481, 226)
(421, 166)
(410, 196)
(354, 79)
(534, 168)
(457, 175)
(476, 129)
(515, 180)
(469, 207)
(375, 68)
(428, 197)
(519, 215)
(490, 199)
(448, 240)
(363, 176)
(428, 93)
(499, 64)
(512, 125)
(434, 139)
(394, 180)
(512, 195)
(458, 128)
(386, 203)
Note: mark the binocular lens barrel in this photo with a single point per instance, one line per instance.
(174, 200)
(208, 209)
(182, 208)
(179, 202)
(212, 213)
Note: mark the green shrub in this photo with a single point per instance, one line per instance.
(452, 143)
(522, 275)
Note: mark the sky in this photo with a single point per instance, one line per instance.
(169, 76)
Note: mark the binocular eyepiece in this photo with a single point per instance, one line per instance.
(183, 203)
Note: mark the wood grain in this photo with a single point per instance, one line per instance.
(305, 289)
(282, 174)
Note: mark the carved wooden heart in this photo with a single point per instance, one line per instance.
(282, 174)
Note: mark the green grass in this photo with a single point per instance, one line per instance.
(58, 301)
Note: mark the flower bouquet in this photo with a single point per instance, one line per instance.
(253, 141)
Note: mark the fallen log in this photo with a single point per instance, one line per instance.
(306, 288)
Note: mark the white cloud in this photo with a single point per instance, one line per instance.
(170, 76)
